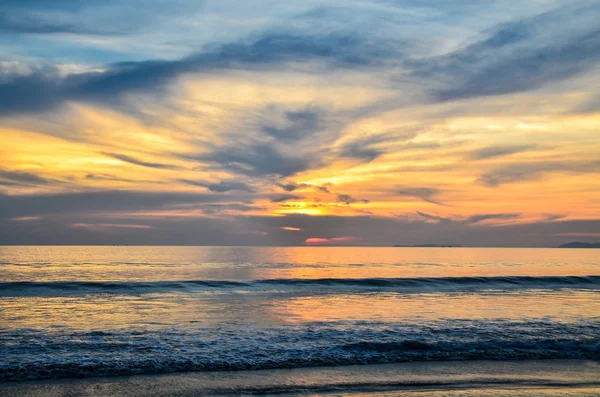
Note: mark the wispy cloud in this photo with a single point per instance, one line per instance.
(519, 56)
(132, 160)
(11, 178)
(426, 194)
(518, 172)
(220, 187)
(348, 199)
(499, 151)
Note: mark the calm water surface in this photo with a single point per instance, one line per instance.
(84, 311)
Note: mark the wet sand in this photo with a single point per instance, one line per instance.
(468, 378)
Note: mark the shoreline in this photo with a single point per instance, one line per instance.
(540, 377)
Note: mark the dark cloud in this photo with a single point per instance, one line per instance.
(290, 187)
(214, 209)
(553, 217)
(22, 25)
(106, 177)
(499, 151)
(111, 177)
(12, 23)
(86, 17)
(472, 220)
(484, 217)
(365, 148)
(221, 187)
(518, 172)
(300, 124)
(53, 89)
(280, 198)
(434, 218)
(509, 174)
(19, 178)
(424, 193)
(347, 199)
(16, 91)
(257, 159)
(104, 201)
(132, 160)
(518, 56)
(281, 144)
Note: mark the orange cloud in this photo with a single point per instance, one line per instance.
(318, 240)
(293, 229)
(26, 218)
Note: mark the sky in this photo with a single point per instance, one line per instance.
(374, 122)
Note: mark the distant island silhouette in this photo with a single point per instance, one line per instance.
(430, 245)
(578, 244)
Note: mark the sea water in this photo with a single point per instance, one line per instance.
(100, 311)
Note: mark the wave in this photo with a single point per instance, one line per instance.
(35, 354)
(425, 284)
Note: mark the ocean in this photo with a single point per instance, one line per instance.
(73, 312)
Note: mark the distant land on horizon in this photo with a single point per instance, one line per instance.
(579, 244)
(429, 246)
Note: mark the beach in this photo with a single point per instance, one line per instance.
(516, 378)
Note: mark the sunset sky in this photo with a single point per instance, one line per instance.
(299, 122)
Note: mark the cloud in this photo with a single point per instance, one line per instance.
(347, 199)
(100, 201)
(433, 218)
(484, 217)
(280, 198)
(577, 234)
(107, 86)
(334, 240)
(508, 175)
(297, 125)
(518, 172)
(290, 187)
(515, 57)
(111, 177)
(257, 160)
(34, 23)
(519, 56)
(366, 148)
(20, 178)
(80, 17)
(108, 226)
(216, 209)
(471, 220)
(132, 160)
(499, 151)
(424, 193)
(221, 187)
(26, 218)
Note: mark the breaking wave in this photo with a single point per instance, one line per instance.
(35, 354)
(30, 288)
